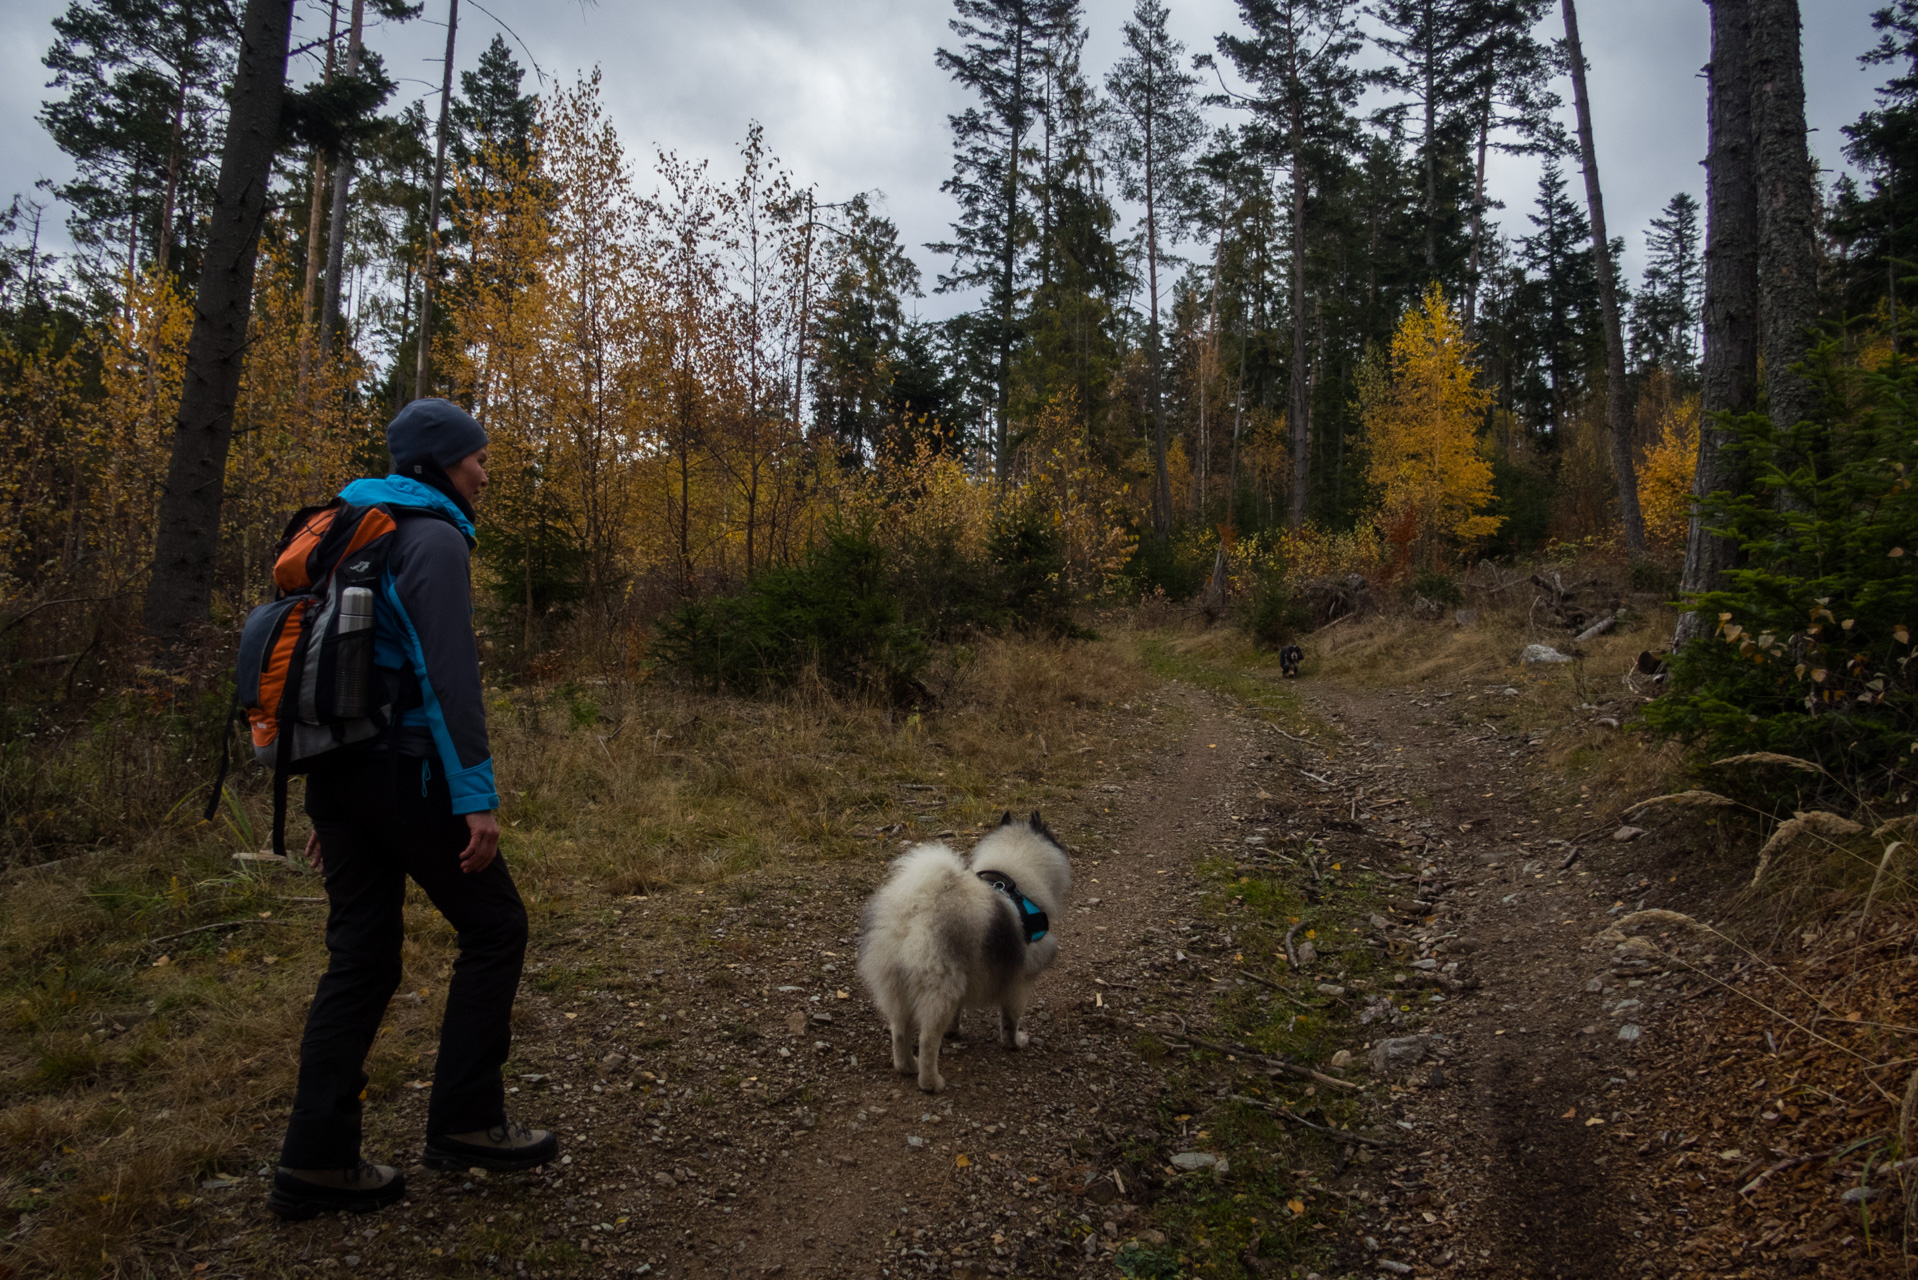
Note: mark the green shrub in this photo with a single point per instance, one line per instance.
(1272, 615)
(1180, 566)
(1030, 565)
(832, 612)
(1811, 652)
(1438, 587)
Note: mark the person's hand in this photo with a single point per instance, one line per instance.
(313, 858)
(482, 846)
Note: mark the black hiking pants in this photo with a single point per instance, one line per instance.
(379, 824)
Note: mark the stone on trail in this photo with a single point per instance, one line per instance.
(1307, 953)
(1541, 655)
(1628, 1032)
(1626, 834)
(1193, 1161)
(796, 1023)
(1399, 1053)
(1341, 1060)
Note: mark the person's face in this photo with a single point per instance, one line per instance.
(469, 475)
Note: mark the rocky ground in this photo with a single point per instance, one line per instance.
(1488, 1092)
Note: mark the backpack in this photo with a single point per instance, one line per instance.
(304, 682)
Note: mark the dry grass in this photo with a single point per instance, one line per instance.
(135, 1069)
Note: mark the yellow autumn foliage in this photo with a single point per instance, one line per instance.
(1665, 476)
(1422, 414)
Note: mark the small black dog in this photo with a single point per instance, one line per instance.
(1289, 659)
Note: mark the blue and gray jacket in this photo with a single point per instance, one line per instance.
(423, 624)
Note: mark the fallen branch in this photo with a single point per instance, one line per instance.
(1570, 858)
(1792, 1162)
(224, 924)
(1342, 1134)
(1243, 1052)
(1291, 956)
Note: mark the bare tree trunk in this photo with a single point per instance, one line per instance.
(1787, 252)
(1730, 373)
(315, 206)
(1301, 411)
(1161, 478)
(342, 188)
(423, 378)
(172, 178)
(1478, 218)
(187, 541)
(1618, 407)
(805, 316)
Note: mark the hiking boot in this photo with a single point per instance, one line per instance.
(302, 1193)
(506, 1147)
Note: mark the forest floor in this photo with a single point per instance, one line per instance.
(1278, 885)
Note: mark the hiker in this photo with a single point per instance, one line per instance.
(415, 800)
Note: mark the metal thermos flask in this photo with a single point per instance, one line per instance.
(355, 665)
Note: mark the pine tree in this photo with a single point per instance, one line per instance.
(180, 589)
(140, 119)
(1000, 60)
(1665, 311)
(1157, 131)
(1619, 411)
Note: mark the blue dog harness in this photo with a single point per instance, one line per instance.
(1031, 918)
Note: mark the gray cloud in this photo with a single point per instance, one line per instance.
(851, 99)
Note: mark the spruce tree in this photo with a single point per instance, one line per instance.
(1157, 129)
(1000, 59)
(1560, 297)
(1665, 311)
(1878, 225)
(1299, 54)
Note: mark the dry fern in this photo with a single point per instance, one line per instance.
(1772, 757)
(1905, 822)
(1884, 864)
(1816, 822)
(1684, 799)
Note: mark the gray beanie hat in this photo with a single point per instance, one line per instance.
(432, 430)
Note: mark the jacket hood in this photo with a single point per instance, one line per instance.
(403, 491)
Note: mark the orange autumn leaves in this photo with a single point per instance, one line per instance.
(1422, 410)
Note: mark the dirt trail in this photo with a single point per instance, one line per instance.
(1504, 1117)
(727, 1107)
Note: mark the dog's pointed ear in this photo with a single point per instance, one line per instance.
(1036, 822)
(1007, 820)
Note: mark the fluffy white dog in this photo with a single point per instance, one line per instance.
(945, 934)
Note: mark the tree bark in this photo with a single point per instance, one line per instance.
(181, 586)
(1787, 247)
(1730, 373)
(1618, 407)
(423, 378)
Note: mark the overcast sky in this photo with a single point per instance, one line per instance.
(851, 98)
